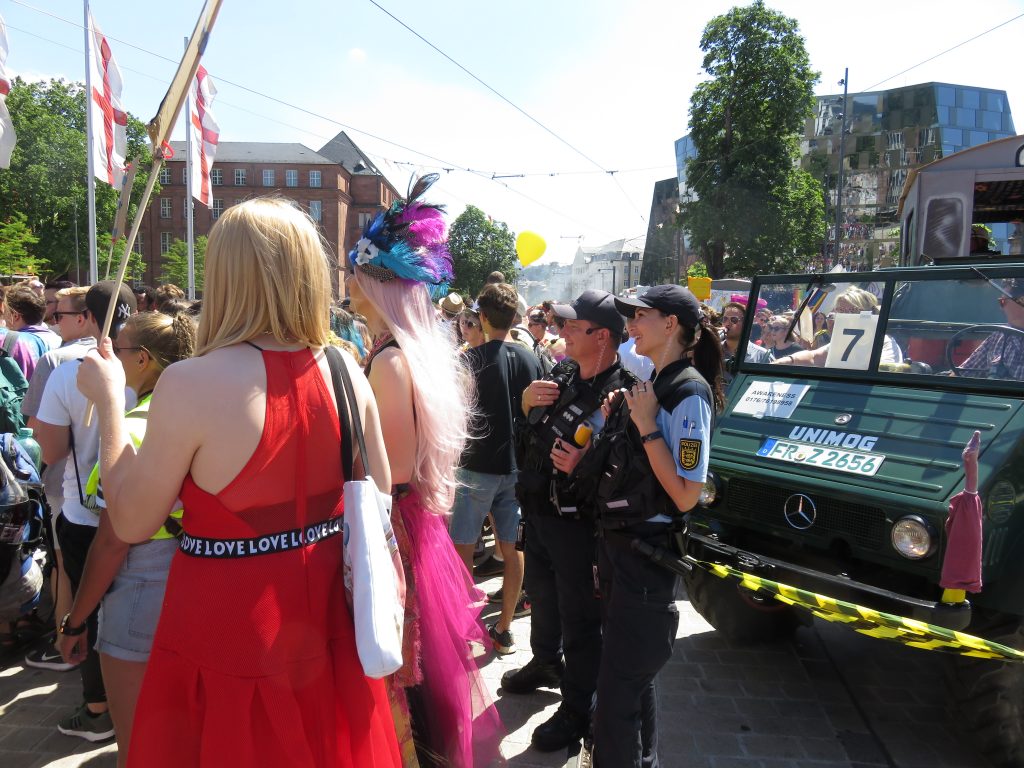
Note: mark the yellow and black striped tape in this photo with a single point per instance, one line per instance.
(867, 621)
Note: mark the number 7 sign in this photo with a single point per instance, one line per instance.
(853, 336)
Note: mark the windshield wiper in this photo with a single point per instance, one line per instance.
(993, 283)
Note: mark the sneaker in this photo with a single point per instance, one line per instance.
(565, 727)
(536, 674)
(504, 642)
(492, 566)
(523, 606)
(85, 725)
(48, 658)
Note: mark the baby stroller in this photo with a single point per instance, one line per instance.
(22, 548)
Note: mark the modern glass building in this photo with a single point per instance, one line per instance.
(887, 134)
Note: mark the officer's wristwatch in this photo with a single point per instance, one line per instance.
(64, 629)
(655, 435)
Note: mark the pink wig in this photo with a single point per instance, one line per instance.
(441, 384)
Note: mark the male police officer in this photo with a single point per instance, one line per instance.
(560, 547)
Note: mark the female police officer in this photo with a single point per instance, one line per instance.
(655, 466)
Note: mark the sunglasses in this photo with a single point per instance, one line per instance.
(732, 320)
(58, 315)
(118, 350)
(468, 323)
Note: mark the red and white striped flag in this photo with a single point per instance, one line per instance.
(7, 135)
(205, 134)
(108, 118)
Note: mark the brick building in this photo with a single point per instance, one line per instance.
(339, 186)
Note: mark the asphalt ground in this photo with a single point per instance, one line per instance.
(828, 698)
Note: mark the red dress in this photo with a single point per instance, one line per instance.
(254, 661)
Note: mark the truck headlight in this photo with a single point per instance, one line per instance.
(711, 493)
(913, 537)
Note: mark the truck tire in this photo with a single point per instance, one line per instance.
(988, 696)
(737, 614)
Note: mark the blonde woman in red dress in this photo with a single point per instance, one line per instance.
(254, 660)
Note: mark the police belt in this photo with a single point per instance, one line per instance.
(268, 544)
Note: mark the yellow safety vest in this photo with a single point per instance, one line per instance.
(135, 421)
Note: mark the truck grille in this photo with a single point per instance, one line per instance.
(860, 525)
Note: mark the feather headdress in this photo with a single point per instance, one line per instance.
(408, 242)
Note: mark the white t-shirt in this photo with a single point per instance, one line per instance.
(64, 406)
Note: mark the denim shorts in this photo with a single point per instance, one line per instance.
(477, 494)
(131, 608)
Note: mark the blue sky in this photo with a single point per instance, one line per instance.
(612, 79)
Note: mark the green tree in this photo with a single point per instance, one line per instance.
(480, 246)
(755, 211)
(108, 263)
(175, 263)
(47, 178)
(15, 241)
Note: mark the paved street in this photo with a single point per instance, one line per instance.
(831, 698)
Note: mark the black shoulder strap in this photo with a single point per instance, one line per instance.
(348, 414)
(674, 384)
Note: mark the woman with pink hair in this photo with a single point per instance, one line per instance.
(424, 395)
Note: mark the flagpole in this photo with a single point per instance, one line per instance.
(189, 204)
(91, 163)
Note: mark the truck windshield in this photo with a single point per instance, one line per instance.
(968, 324)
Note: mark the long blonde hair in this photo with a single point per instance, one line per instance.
(266, 271)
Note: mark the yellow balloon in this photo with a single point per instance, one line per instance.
(529, 247)
(700, 287)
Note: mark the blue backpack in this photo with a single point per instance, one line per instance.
(21, 526)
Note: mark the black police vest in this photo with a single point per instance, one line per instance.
(628, 491)
(537, 433)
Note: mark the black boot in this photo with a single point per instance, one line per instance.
(565, 727)
(536, 674)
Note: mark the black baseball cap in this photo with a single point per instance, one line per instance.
(597, 307)
(670, 299)
(98, 299)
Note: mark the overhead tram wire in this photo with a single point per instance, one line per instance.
(443, 164)
(512, 104)
(948, 50)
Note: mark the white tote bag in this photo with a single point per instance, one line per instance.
(371, 549)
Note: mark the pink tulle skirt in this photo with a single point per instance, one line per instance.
(462, 724)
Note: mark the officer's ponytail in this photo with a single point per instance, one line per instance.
(706, 354)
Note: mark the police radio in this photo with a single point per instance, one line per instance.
(541, 415)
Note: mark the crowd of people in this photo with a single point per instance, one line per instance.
(215, 423)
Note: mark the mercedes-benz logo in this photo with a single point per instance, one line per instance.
(800, 511)
(843, 418)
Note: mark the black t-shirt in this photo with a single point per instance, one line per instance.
(502, 371)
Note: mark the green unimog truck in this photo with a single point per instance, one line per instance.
(835, 475)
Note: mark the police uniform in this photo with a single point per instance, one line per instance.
(640, 614)
(560, 550)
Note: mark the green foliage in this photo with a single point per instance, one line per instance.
(754, 212)
(47, 178)
(15, 241)
(108, 262)
(175, 263)
(480, 246)
(697, 269)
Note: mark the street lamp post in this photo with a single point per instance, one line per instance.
(842, 152)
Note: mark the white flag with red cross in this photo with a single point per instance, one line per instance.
(205, 134)
(109, 120)
(7, 135)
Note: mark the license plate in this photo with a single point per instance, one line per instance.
(838, 459)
